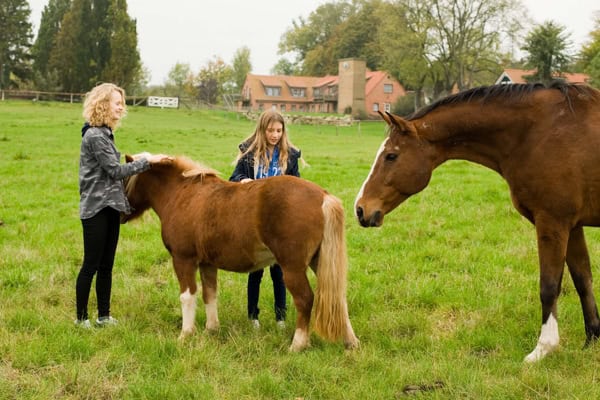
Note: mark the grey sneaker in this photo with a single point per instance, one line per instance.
(83, 323)
(255, 323)
(281, 324)
(106, 321)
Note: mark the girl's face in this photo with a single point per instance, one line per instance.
(273, 133)
(116, 106)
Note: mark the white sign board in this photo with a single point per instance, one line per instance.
(162, 102)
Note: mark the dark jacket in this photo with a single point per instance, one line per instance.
(245, 165)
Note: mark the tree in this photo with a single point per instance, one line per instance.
(308, 39)
(180, 79)
(241, 67)
(123, 65)
(52, 16)
(15, 42)
(589, 57)
(213, 81)
(72, 56)
(284, 67)
(547, 46)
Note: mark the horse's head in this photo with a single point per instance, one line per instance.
(401, 168)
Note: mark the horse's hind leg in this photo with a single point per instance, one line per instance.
(208, 275)
(578, 261)
(297, 284)
(186, 275)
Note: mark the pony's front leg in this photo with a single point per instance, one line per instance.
(185, 270)
(552, 249)
(208, 275)
(297, 284)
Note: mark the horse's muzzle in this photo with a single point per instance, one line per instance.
(376, 218)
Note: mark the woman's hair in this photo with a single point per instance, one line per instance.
(257, 142)
(96, 107)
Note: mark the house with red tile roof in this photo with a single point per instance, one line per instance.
(354, 91)
(514, 75)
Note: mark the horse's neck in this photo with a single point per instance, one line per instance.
(480, 137)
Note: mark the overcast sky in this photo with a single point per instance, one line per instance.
(195, 32)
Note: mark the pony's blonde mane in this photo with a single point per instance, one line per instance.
(191, 169)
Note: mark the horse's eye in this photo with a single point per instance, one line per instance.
(391, 157)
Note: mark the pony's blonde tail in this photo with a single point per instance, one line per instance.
(331, 309)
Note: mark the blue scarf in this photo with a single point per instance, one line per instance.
(273, 170)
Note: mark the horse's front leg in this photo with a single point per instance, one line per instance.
(185, 269)
(552, 248)
(297, 284)
(208, 275)
(578, 261)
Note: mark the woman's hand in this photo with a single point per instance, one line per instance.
(158, 158)
(246, 180)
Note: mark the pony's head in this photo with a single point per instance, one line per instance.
(142, 188)
(401, 168)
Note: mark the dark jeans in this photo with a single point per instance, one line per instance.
(254, 279)
(100, 237)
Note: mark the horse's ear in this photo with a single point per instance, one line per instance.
(385, 117)
(402, 125)
(128, 158)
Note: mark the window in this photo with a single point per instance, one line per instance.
(273, 91)
(375, 107)
(293, 107)
(298, 92)
(316, 91)
(388, 88)
(282, 108)
(387, 107)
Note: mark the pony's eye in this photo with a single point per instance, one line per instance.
(391, 157)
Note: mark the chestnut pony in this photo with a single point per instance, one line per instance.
(209, 224)
(544, 141)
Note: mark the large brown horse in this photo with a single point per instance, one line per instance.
(209, 224)
(545, 142)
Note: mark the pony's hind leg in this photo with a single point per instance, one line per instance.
(185, 270)
(578, 261)
(208, 275)
(297, 284)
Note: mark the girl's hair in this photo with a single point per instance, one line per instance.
(96, 107)
(257, 142)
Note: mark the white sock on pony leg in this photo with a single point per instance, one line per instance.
(300, 340)
(188, 312)
(212, 316)
(547, 342)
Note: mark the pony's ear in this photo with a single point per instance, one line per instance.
(128, 158)
(402, 125)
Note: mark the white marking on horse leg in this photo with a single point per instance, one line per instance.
(362, 188)
(212, 316)
(300, 341)
(547, 342)
(188, 312)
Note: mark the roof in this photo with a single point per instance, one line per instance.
(516, 75)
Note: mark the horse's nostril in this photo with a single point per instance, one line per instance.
(359, 212)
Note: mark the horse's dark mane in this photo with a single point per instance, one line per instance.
(502, 91)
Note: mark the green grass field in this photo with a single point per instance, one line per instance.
(444, 296)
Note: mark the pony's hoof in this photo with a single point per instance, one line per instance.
(352, 345)
(184, 335)
(296, 348)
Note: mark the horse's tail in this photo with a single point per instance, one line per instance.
(331, 309)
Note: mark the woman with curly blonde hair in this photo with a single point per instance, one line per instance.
(102, 197)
